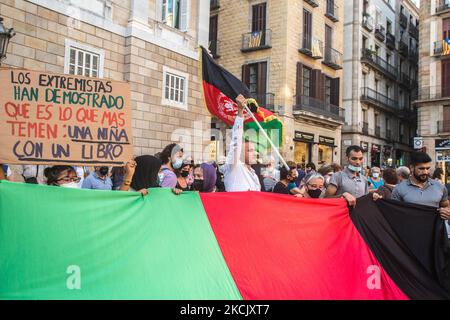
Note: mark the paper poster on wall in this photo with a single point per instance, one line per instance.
(49, 118)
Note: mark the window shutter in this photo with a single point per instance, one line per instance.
(184, 15)
(262, 77)
(335, 91)
(299, 84)
(246, 74)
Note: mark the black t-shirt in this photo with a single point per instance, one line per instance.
(280, 188)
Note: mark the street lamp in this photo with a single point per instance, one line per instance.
(5, 35)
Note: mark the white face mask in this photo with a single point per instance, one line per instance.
(222, 168)
(72, 185)
(375, 175)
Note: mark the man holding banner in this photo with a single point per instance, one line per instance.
(239, 176)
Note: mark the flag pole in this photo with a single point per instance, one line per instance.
(266, 136)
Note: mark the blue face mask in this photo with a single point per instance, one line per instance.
(353, 168)
(178, 163)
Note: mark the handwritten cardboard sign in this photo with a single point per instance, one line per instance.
(49, 118)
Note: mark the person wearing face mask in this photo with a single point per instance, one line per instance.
(98, 179)
(204, 178)
(286, 177)
(62, 176)
(172, 160)
(375, 181)
(314, 186)
(183, 176)
(349, 183)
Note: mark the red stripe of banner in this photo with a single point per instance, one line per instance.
(281, 247)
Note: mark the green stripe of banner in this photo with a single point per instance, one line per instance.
(58, 243)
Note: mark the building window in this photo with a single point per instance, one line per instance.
(83, 60)
(174, 13)
(175, 88)
(254, 76)
(307, 82)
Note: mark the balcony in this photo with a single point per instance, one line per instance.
(442, 6)
(257, 40)
(388, 134)
(403, 48)
(312, 3)
(390, 41)
(408, 114)
(367, 22)
(413, 55)
(319, 107)
(311, 47)
(365, 128)
(214, 5)
(405, 80)
(333, 58)
(441, 48)
(371, 58)
(332, 11)
(265, 100)
(214, 48)
(378, 131)
(413, 31)
(379, 100)
(443, 126)
(403, 20)
(380, 32)
(434, 93)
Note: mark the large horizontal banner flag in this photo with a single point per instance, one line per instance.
(89, 244)
(220, 89)
(63, 119)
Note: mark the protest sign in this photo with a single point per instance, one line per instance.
(48, 118)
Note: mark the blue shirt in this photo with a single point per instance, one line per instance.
(94, 182)
(376, 184)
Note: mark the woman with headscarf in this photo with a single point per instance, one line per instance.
(205, 177)
(143, 173)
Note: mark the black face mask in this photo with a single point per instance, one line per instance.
(198, 185)
(103, 171)
(184, 174)
(314, 193)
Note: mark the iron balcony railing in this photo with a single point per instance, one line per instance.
(214, 4)
(403, 48)
(256, 40)
(405, 80)
(434, 93)
(311, 46)
(332, 11)
(371, 96)
(371, 58)
(443, 126)
(413, 30)
(365, 128)
(413, 54)
(265, 100)
(378, 131)
(317, 106)
(380, 32)
(312, 3)
(403, 20)
(390, 41)
(442, 5)
(214, 48)
(367, 22)
(333, 58)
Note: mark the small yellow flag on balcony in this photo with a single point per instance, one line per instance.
(445, 47)
(255, 39)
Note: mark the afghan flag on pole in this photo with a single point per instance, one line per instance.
(220, 89)
(66, 243)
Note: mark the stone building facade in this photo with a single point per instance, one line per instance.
(289, 54)
(434, 94)
(152, 44)
(381, 79)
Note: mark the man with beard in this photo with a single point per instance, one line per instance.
(419, 188)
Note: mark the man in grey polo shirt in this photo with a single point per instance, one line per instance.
(350, 183)
(419, 188)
